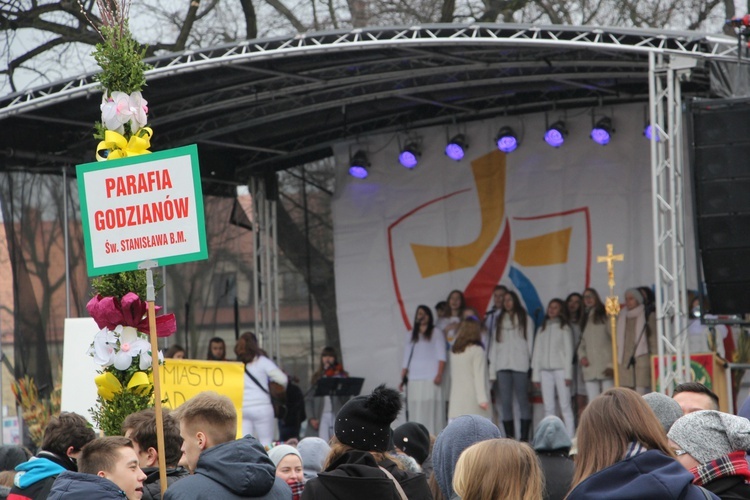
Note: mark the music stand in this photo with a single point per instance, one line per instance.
(339, 386)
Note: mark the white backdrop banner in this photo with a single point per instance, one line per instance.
(533, 220)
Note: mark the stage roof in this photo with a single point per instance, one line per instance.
(258, 106)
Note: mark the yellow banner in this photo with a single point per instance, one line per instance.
(181, 379)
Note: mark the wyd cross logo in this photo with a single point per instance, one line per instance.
(541, 255)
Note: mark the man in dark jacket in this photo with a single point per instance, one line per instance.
(108, 470)
(552, 445)
(712, 445)
(63, 440)
(140, 428)
(220, 466)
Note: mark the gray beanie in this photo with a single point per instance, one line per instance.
(667, 410)
(277, 453)
(707, 435)
(314, 452)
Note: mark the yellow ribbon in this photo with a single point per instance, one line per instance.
(140, 383)
(107, 386)
(115, 145)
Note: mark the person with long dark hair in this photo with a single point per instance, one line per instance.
(552, 362)
(422, 371)
(257, 410)
(595, 348)
(323, 409)
(217, 349)
(510, 357)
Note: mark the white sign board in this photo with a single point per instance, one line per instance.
(147, 207)
(79, 369)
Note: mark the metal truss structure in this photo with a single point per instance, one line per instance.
(265, 270)
(258, 106)
(668, 210)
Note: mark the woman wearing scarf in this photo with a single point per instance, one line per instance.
(636, 339)
(288, 462)
(323, 408)
(623, 454)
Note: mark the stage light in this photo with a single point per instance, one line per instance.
(602, 131)
(409, 156)
(456, 147)
(359, 165)
(555, 134)
(506, 139)
(648, 132)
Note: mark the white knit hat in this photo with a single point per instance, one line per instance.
(707, 435)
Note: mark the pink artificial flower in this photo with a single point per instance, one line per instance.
(109, 312)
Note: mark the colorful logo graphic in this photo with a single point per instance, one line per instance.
(534, 252)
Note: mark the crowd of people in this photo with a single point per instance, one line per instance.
(457, 362)
(627, 446)
(627, 443)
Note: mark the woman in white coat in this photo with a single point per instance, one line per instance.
(552, 363)
(595, 348)
(258, 418)
(422, 372)
(510, 355)
(470, 393)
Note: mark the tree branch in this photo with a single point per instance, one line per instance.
(284, 11)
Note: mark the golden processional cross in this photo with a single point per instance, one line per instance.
(612, 305)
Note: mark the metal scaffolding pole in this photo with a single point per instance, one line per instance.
(265, 270)
(668, 209)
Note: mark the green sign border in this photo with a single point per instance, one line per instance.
(192, 152)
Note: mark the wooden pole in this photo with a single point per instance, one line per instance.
(150, 298)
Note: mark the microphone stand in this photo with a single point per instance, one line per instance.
(631, 361)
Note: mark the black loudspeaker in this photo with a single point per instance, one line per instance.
(720, 153)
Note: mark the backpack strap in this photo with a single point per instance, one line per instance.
(395, 483)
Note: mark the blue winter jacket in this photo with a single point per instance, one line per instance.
(649, 476)
(76, 485)
(232, 470)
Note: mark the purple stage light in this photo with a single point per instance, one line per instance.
(359, 165)
(456, 147)
(409, 156)
(358, 171)
(600, 136)
(454, 151)
(602, 132)
(506, 140)
(554, 137)
(648, 132)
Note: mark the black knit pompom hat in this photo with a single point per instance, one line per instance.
(364, 423)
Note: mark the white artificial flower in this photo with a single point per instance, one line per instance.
(115, 111)
(138, 111)
(103, 348)
(146, 361)
(131, 345)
